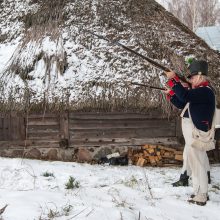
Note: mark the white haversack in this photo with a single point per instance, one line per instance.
(217, 118)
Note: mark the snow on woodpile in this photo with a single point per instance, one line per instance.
(47, 55)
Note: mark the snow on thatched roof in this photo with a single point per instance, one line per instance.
(46, 57)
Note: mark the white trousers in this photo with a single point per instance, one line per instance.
(195, 162)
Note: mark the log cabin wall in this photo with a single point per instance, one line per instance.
(116, 129)
(73, 136)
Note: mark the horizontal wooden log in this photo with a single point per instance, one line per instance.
(11, 144)
(42, 127)
(112, 116)
(121, 132)
(123, 142)
(167, 149)
(121, 124)
(44, 137)
(43, 132)
(179, 157)
(42, 122)
(43, 143)
(178, 152)
(42, 116)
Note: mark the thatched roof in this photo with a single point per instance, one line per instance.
(57, 65)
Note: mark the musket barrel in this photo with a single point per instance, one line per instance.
(149, 60)
(148, 86)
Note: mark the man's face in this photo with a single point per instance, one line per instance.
(195, 80)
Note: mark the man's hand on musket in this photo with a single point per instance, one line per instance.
(167, 90)
(170, 74)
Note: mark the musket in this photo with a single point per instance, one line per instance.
(148, 86)
(149, 60)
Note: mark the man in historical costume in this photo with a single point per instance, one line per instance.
(199, 106)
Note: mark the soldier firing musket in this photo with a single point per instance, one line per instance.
(198, 120)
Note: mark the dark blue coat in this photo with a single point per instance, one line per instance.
(201, 104)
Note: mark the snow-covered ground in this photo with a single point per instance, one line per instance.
(104, 193)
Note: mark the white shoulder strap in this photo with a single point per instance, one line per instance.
(184, 110)
(216, 118)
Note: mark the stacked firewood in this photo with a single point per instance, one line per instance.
(154, 155)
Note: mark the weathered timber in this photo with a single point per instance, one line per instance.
(43, 143)
(64, 126)
(120, 123)
(42, 116)
(122, 141)
(44, 127)
(5, 134)
(66, 133)
(44, 135)
(154, 114)
(12, 127)
(154, 155)
(43, 122)
(120, 132)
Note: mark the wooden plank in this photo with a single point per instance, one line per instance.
(44, 127)
(178, 152)
(1, 123)
(178, 157)
(43, 143)
(22, 128)
(120, 142)
(167, 148)
(1, 129)
(140, 162)
(43, 122)
(43, 132)
(43, 116)
(12, 144)
(16, 127)
(92, 123)
(153, 162)
(45, 136)
(6, 130)
(64, 126)
(112, 115)
(168, 155)
(121, 132)
(112, 129)
(13, 128)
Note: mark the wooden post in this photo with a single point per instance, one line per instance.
(64, 129)
(1, 128)
(16, 127)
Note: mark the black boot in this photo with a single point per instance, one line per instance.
(209, 177)
(183, 181)
(193, 195)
